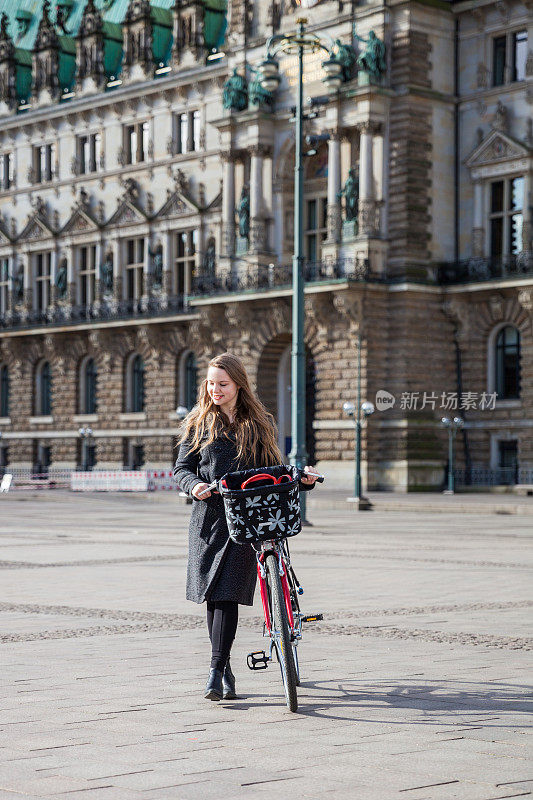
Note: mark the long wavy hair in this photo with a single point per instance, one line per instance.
(254, 427)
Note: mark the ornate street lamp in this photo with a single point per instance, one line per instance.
(453, 426)
(297, 44)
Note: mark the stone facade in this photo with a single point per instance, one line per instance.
(120, 233)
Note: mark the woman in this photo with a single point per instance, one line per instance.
(228, 429)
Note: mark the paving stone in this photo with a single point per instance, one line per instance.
(415, 685)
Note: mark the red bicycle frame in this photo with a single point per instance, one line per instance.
(264, 595)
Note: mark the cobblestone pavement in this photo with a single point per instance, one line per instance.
(415, 685)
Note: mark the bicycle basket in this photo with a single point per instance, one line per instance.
(261, 512)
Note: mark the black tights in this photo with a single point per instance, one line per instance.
(222, 618)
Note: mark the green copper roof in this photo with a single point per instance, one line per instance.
(23, 23)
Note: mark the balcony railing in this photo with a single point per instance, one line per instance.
(62, 314)
(499, 476)
(273, 276)
(486, 269)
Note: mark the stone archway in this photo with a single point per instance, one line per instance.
(274, 390)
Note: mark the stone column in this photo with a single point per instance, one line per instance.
(71, 281)
(147, 272)
(368, 207)
(168, 256)
(334, 186)
(257, 220)
(29, 288)
(228, 205)
(527, 230)
(53, 274)
(118, 247)
(478, 231)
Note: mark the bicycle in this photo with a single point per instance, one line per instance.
(249, 512)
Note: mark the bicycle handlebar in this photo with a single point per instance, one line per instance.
(319, 479)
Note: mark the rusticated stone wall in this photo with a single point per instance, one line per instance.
(410, 185)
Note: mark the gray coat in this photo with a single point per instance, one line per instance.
(218, 569)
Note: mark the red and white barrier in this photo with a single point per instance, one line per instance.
(110, 481)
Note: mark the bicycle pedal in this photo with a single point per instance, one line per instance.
(313, 618)
(257, 660)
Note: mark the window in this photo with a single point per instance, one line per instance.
(519, 56)
(42, 458)
(135, 383)
(4, 390)
(315, 227)
(138, 384)
(43, 266)
(184, 261)
(6, 171)
(44, 157)
(187, 132)
(136, 142)
(134, 268)
(4, 285)
(89, 151)
(4, 459)
(507, 366)
(191, 380)
(43, 389)
(509, 54)
(88, 378)
(498, 60)
(506, 216)
(87, 274)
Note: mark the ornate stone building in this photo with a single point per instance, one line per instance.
(146, 200)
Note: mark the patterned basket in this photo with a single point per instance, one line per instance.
(262, 512)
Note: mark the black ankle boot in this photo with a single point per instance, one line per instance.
(228, 683)
(213, 687)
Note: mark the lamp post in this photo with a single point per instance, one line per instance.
(453, 425)
(86, 435)
(354, 410)
(297, 44)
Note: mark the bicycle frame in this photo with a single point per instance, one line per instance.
(295, 625)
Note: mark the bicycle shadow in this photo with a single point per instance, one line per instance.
(436, 699)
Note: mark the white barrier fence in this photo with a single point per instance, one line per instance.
(147, 480)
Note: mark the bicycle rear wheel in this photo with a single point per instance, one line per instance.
(280, 625)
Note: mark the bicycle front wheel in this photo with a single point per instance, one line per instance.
(281, 632)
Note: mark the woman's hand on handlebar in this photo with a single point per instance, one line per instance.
(309, 479)
(199, 492)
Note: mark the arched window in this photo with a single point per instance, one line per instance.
(191, 378)
(135, 383)
(507, 363)
(4, 390)
(43, 389)
(88, 378)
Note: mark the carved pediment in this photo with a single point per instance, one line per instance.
(79, 222)
(127, 214)
(35, 228)
(177, 205)
(495, 148)
(4, 236)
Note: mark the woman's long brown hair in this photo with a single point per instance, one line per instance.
(255, 428)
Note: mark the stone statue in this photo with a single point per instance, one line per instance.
(18, 288)
(258, 96)
(372, 59)
(61, 279)
(235, 94)
(157, 267)
(106, 273)
(244, 213)
(345, 55)
(350, 192)
(210, 258)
